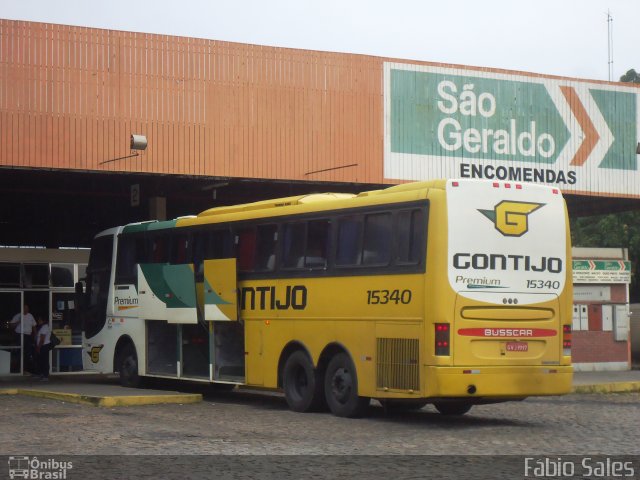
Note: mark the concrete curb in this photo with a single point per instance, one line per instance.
(613, 387)
(107, 401)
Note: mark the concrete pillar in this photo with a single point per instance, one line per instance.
(158, 208)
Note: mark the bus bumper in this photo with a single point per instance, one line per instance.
(497, 382)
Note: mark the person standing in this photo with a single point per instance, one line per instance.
(43, 347)
(24, 327)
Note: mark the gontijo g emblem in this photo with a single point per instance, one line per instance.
(510, 218)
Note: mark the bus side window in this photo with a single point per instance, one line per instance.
(179, 246)
(209, 245)
(159, 249)
(217, 245)
(349, 241)
(266, 238)
(409, 233)
(377, 239)
(98, 277)
(293, 244)
(197, 253)
(317, 244)
(246, 249)
(126, 271)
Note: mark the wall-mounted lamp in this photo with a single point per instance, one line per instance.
(138, 142)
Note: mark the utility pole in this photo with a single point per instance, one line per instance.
(610, 44)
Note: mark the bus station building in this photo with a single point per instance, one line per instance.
(100, 128)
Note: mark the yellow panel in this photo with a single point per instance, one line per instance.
(220, 289)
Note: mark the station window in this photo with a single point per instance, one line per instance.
(62, 275)
(10, 275)
(35, 275)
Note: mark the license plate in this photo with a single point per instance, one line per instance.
(517, 347)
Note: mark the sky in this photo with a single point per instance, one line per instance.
(556, 37)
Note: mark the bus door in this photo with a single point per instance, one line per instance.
(167, 302)
(220, 310)
(167, 292)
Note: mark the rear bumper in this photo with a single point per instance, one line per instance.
(498, 382)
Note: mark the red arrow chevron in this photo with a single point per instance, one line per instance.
(591, 136)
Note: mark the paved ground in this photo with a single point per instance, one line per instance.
(247, 423)
(276, 443)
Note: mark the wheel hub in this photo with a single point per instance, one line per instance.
(341, 384)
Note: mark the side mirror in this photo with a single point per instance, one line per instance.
(79, 288)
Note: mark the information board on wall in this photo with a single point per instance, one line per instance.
(443, 122)
(601, 271)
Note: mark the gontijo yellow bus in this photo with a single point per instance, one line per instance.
(450, 292)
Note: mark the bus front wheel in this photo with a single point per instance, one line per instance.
(452, 408)
(341, 388)
(128, 367)
(301, 383)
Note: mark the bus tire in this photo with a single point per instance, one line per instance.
(301, 383)
(128, 367)
(341, 388)
(452, 408)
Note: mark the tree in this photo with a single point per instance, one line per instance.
(616, 230)
(630, 77)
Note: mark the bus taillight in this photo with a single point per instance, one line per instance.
(442, 339)
(566, 340)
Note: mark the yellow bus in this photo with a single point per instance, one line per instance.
(450, 292)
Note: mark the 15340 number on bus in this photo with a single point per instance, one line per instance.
(384, 297)
(549, 285)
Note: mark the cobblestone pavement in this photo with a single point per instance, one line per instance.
(249, 423)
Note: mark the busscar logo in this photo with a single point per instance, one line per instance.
(510, 218)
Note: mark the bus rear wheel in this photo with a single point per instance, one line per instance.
(452, 408)
(302, 384)
(341, 388)
(128, 367)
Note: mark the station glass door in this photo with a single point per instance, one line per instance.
(12, 360)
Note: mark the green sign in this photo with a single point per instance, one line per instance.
(444, 122)
(471, 117)
(601, 271)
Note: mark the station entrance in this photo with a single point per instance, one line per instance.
(39, 283)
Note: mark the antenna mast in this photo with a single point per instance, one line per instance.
(610, 44)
